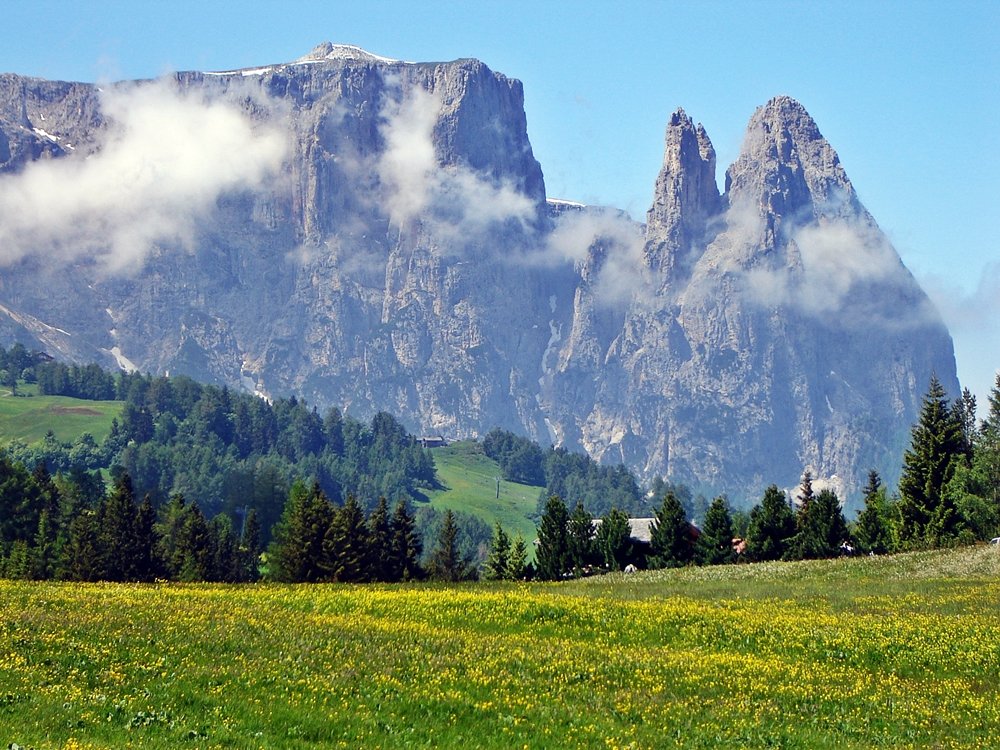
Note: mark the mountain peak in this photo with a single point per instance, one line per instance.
(330, 51)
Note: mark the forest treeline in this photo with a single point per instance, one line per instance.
(237, 472)
(949, 494)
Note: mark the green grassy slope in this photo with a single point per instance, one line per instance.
(469, 485)
(28, 416)
(849, 655)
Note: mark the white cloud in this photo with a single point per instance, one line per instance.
(165, 159)
(453, 198)
(606, 245)
(826, 262)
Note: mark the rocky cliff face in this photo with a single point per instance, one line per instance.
(374, 234)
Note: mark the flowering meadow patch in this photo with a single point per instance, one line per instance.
(481, 666)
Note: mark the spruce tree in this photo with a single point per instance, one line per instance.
(146, 563)
(83, 557)
(614, 540)
(296, 552)
(345, 545)
(380, 543)
(670, 540)
(872, 530)
(715, 545)
(517, 560)
(771, 526)
(497, 561)
(250, 547)
(406, 546)
(927, 514)
(446, 562)
(580, 538)
(553, 553)
(821, 529)
(117, 532)
(193, 553)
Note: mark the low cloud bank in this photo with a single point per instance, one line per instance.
(166, 159)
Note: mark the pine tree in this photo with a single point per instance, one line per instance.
(580, 538)
(345, 545)
(117, 533)
(167, 532)
(517, 560)
(446, 562)
(250, 547)
(821, 529)
(614, 540)
(406, 546)
(43, 550)
(715, 545)
(380, 543)
(553, 553)
(193, 554)
(498, 560)
(872, 530)
(83, 556)
(146, 563)
(296, 552)
(771, 526)
(927, 514)
(670, 540)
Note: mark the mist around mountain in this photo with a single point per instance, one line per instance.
(375, 235)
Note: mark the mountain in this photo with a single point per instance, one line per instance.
(375, 235)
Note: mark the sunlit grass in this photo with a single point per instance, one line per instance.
(905, 653)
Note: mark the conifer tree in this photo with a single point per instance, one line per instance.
(927, 514)
(553, 553)
(517, 560)
(117, 533)
(498, 560)
(193, 554)
(345, 545)
(580, 538)
(168, 530)
(296, 552)
(250, 547)
(614, 540)
(146, 564)
(446, 562)
(83, 557)
(872, 530)
(771, 526)
(821, 529)
(715, 545)
(406, 546)
(43, 550)
(380, 543)
(670, 540)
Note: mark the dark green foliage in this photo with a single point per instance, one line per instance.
(873, 528)
(520, 459)
(446, 562)
(498, 561)
(715, 545)
(380, 565)
(553, 552)
(580, 538)
(517, 560)
(346, 552)
(771, 526)
(928, 515)
(250, 548)
(820, 529)
(404, 558)
(297, 550)
(670, 544)
(614, 540)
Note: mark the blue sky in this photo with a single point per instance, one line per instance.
(908, 93)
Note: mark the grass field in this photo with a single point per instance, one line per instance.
(469, 485)
(895, 652)
(28, 416)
